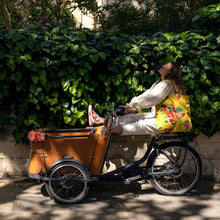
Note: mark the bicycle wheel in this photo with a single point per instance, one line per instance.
(63, 191)
(184, 165)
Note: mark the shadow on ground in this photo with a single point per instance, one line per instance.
(24, 200)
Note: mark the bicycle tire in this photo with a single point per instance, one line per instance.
(68, 192)
(187, 174)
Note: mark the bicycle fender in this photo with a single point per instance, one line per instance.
(167, 144)
(64, 160)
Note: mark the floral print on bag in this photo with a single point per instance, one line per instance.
(173, 114)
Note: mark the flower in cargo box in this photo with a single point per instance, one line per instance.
(36, 136)
(31, 136)
(40, 136)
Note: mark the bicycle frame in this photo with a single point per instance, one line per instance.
(142, 173)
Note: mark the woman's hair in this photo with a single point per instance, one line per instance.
(175, 74)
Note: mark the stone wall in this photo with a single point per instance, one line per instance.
(123, 149)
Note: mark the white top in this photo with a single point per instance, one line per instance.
(153, 96)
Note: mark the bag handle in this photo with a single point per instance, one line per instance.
(174, 86)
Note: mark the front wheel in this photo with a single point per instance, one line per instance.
(175, 167)
(68, 191)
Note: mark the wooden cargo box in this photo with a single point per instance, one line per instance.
(84, 145)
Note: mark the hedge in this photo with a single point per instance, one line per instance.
(52, 76)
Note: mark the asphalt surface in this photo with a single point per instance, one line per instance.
(21, 198)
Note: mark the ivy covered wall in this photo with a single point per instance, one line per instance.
(52, 76)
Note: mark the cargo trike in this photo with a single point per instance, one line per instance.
(69, 160)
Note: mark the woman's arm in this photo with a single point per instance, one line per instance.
(153, 96)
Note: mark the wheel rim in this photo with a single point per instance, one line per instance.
(185, 175)
(68, 191)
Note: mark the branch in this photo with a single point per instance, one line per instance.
(8, 16)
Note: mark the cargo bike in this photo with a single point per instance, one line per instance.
(69, 160)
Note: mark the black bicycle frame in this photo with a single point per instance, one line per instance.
(134, 166)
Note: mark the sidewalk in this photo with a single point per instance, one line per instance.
(22, 199)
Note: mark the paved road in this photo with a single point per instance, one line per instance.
(22, 199)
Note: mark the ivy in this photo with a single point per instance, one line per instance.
(53, 76)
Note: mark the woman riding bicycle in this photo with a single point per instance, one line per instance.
(143, 123)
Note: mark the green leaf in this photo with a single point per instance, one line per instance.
(87, 65)
(102, 55)
(67, 119)
(211, 45)
(107, 81)
(128, 81)
(115, 81)
(206, 64)
(102, 77)
(65, 105)
(11, 64)
(135, 49)
(62, 73)
(82, 71)
(35, 79)
(204, 100)
(162, 45)
(16, 77)
(121, 89)
(41, 96)
(217, 69)
(35, 89)
(207, 113)
(167, 36)
(94, 58)
(65, 84)
(80, 91)
(218, 39)
(43, 79)
(32, 119)
(3, 75)
(193, 62)
(119, 77)
(172, 48)
(215, 53)
(195, 18)
(64, 57)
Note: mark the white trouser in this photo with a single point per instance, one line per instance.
(137, 124)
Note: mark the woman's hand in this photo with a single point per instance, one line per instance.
(132, 110)
(129, 110)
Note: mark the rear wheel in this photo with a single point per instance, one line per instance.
(68, 191)
(182, 164)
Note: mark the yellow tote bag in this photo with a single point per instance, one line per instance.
(173, 114)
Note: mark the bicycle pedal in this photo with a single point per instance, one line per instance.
(131, 179)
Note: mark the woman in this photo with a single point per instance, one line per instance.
(144, 123)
